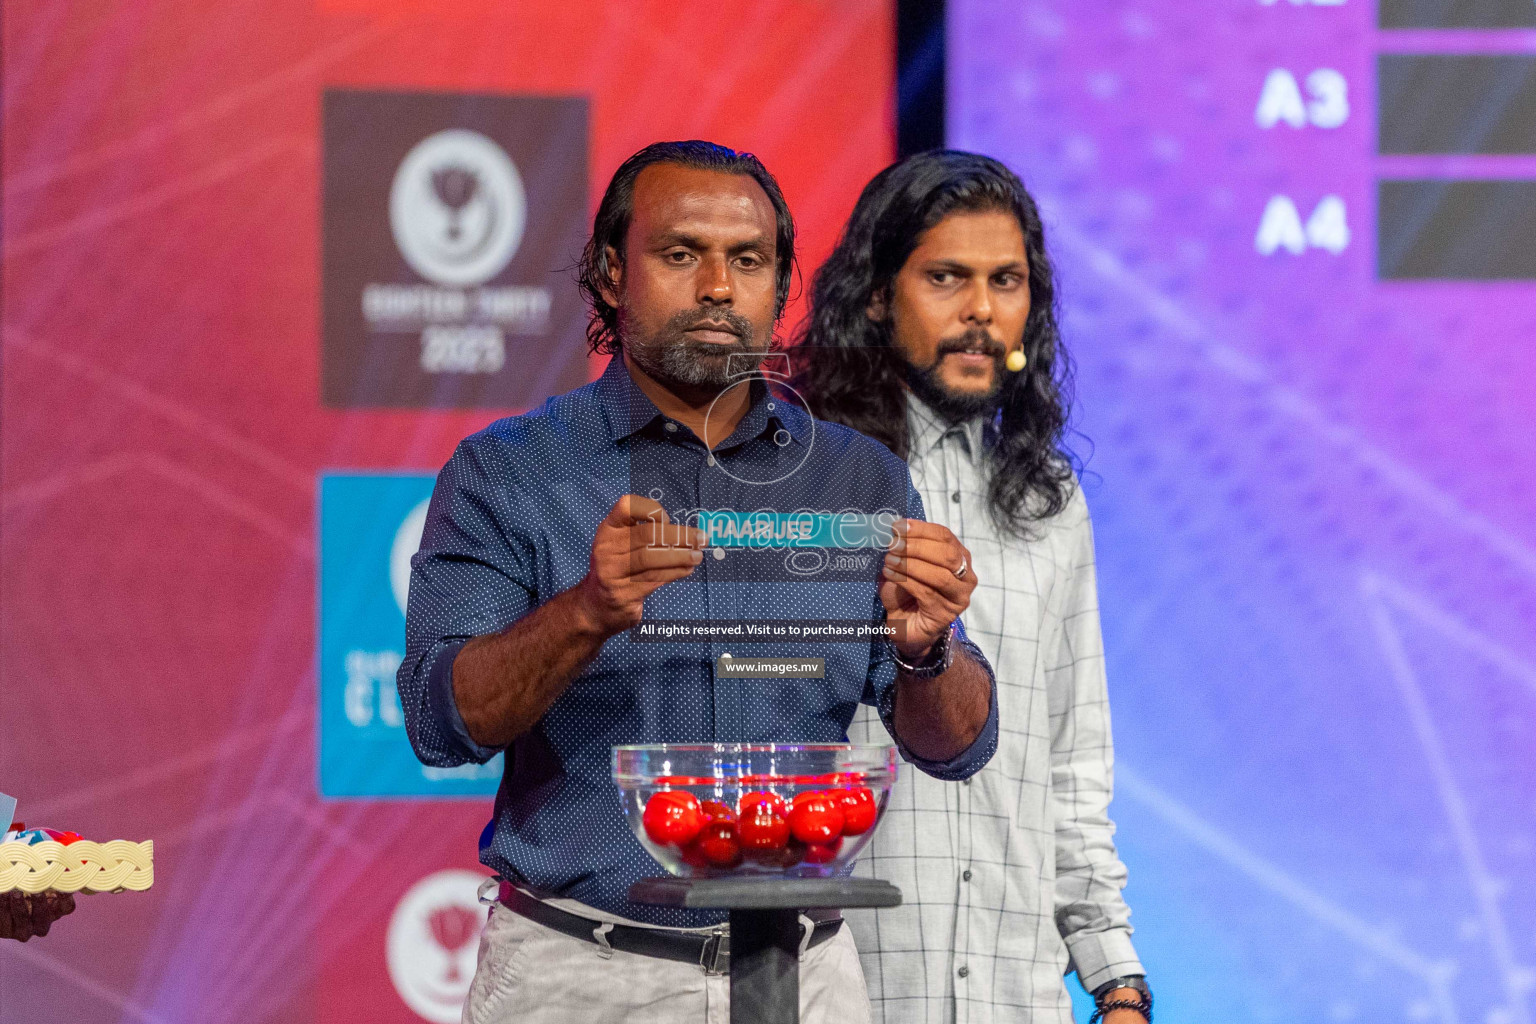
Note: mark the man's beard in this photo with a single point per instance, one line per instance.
(959, 406)
(670, 357)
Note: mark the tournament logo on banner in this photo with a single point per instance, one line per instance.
(451, 224)
(370, 526)
(432, 944)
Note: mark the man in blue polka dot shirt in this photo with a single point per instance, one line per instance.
(552, 535)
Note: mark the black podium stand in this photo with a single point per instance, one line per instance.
(765, 929)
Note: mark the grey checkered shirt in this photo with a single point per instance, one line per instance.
(1010, 879)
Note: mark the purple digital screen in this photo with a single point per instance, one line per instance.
(1297, 243)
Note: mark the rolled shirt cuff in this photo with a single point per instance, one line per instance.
(1103, 956)
(974, 757)
(443, 708)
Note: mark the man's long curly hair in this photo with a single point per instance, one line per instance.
(848, 371)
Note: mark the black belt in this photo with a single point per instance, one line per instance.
(711, 951)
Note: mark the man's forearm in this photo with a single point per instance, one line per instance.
(940, 717)
(503, 683)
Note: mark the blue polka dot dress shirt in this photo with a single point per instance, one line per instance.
(511, 525)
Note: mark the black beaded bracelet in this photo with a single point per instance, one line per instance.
(1142, 1006)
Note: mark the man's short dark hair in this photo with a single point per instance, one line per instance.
(611, 225)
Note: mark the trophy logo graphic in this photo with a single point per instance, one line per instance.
(431, 944)
(457, 208)
(455, 187)
(453, 928)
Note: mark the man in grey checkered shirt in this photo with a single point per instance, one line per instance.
(933, 329)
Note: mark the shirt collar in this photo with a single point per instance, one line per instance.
(627, 410)
(926, 429)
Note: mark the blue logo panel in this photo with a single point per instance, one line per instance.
(370, 526)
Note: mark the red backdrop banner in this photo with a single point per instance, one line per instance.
(163, 434)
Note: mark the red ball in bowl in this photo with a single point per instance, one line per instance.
(773, 800)
(762, 828)
(673, 817)
(859, 809)
(823, 853)
(792, 853)
(815, 817)
(694, 857)
(718, 846)
(714, 810)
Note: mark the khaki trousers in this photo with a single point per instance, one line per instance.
(530, 974)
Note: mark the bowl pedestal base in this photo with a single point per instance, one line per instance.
(765, 929)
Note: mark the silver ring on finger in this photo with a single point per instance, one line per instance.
(965, 567)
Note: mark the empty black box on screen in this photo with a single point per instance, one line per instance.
(1456, 103)
(1457, 13)
(1456, 230)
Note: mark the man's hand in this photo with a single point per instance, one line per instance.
(23, 915)
(921, 592)
(504, 682)
(936, 718)
(637, 550)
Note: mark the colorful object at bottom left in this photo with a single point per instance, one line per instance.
(35, 860)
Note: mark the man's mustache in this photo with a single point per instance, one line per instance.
(975, 340)
(714, 320)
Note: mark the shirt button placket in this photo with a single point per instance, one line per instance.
(958, 839)
(699, 499)
(718, 606)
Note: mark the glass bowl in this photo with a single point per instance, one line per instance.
(789, 810)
